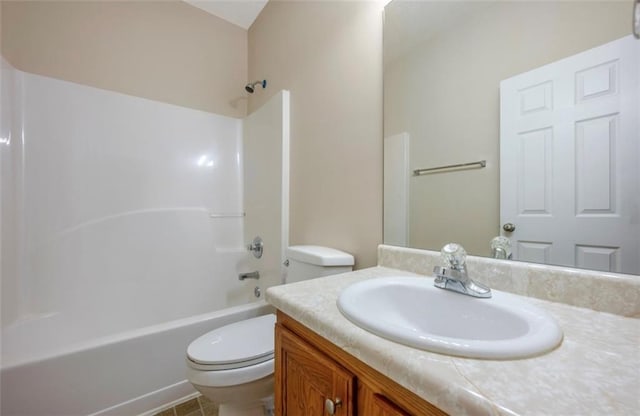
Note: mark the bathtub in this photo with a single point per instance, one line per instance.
(125, 374)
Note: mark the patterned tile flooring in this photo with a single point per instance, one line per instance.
(198, 406)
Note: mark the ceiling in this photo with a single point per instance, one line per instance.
(238, 12)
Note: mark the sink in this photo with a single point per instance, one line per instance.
(411, 311)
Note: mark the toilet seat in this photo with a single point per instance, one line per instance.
(233, 354)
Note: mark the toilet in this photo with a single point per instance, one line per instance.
(233, 365)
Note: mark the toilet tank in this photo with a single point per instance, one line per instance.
(308, 262)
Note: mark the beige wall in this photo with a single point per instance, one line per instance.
(162, 50)
(329, 55)
(446, 95)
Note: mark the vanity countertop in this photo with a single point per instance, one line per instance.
(596, 369)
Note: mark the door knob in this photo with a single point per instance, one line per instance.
(509, 227)
(331, 405)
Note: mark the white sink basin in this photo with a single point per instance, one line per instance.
(411, 311)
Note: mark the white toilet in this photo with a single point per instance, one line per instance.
(233, 365)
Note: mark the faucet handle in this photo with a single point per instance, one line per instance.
(453, 255)
(501, 248)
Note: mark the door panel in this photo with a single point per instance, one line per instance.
(569, 154)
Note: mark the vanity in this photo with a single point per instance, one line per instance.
(325, 364)
(314, 377)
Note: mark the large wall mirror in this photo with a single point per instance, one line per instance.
(539, 100)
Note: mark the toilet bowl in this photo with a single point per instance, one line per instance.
(233, 365)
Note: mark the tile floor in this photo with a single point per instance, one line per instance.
(199, 406)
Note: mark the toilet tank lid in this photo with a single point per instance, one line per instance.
(320, 256)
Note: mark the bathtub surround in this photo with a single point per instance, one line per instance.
(11, 178)
(117, 193)
(266, 144)
(594, 371)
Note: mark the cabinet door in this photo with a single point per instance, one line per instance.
(374, 404)
(381, 406)
(374, 401)
(306, 378)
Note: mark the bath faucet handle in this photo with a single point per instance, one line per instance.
(453, 255)
(256, 247)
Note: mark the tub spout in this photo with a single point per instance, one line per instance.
(250, 275)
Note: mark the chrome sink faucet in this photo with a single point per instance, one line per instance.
(454, 277)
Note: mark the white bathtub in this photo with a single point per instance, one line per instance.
(125, 374)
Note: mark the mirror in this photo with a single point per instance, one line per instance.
(444, 62)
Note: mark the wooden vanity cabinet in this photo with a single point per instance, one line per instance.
(308, 378)
(309, 370)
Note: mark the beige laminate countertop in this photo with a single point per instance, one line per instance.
(595, 371)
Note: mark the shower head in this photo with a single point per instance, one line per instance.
(251, 87)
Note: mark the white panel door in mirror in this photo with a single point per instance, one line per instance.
(596, 82)
(534, 252)
(534, 175)
(536, 98)
(598, 258)
(569, 168)
(595, 166)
